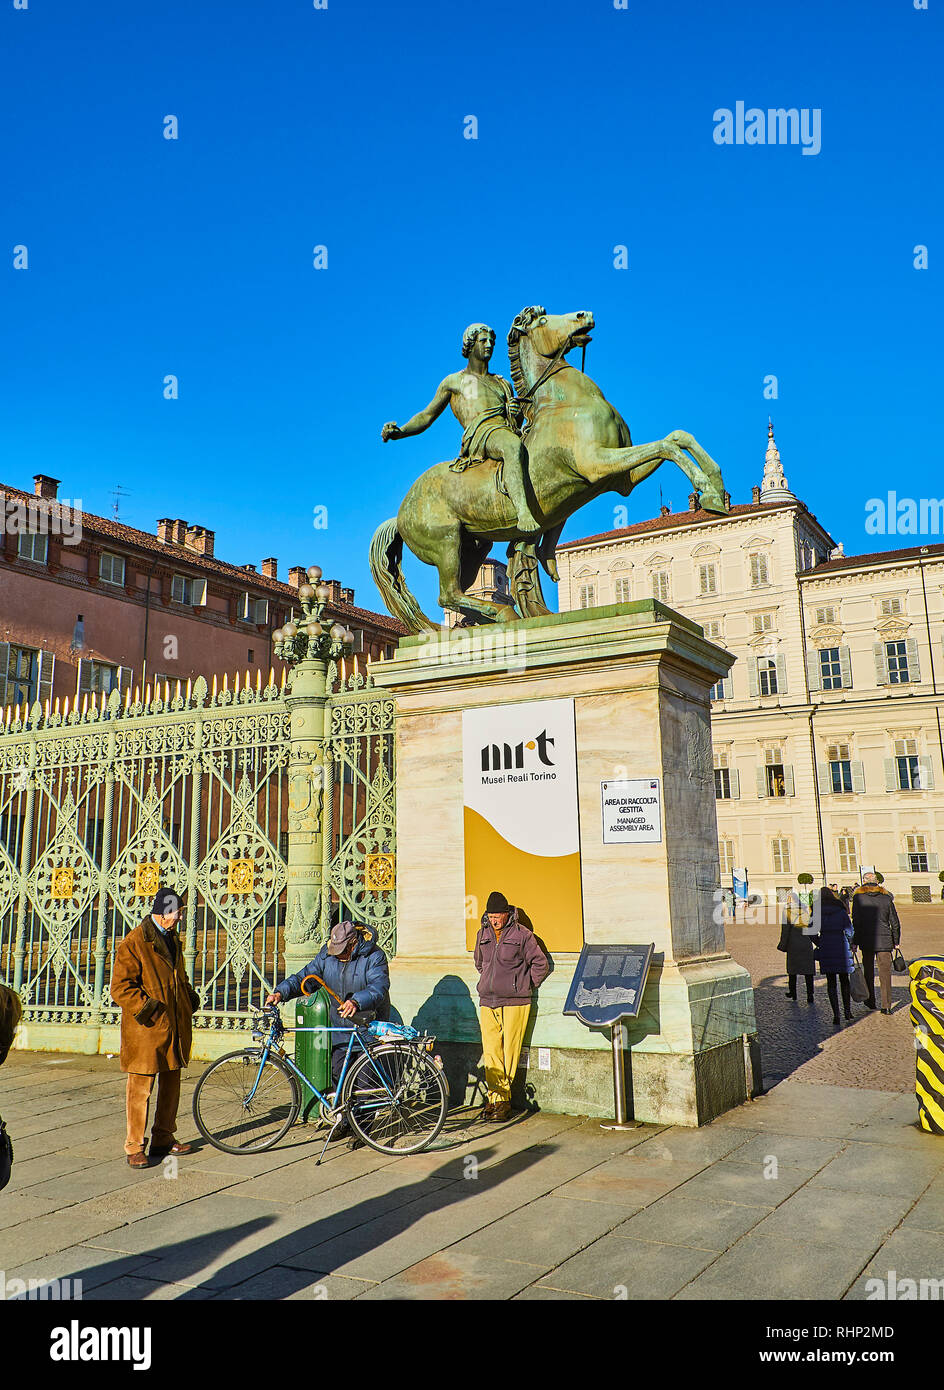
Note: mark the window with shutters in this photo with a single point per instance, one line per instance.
(825, 615)
(712, 629)
(773, 769)
(21, 676)
(908, 765)
(840, 767)
(621, 589)
(896, 661)
(708, 579)
(726, 856)
(917, 851)
(181, 589)
(111, 568)
(891, 607)
(660, 585)
(830, 668)
(717, 690)
(587, 595)
(760, 572)
(848, 854)
(767, 675)
(256, 610)
(97, 677)
(763, 622)
(722, 777)
(32, 545)
(780, 854)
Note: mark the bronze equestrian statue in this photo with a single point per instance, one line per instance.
(575, 446)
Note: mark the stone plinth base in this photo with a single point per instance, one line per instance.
(639, 676)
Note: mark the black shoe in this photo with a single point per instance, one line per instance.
(871, 1004)
(791, 996)
(850, 1018)
(886, 1011)
(836, 1023)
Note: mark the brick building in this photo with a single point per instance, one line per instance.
(87, 603)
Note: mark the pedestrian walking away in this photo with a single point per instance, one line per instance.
(834, 949)
(876, 931)
(511, 964)
(149, 984)
(797, 941)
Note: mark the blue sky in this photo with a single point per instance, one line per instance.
(344, 127)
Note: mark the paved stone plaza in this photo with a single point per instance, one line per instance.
(551, 1208)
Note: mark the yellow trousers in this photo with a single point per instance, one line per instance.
(502, 1036)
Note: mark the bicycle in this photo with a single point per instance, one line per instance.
(394, 1094)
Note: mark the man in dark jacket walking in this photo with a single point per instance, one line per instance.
(510, 964)
(876, 930)
(355, 968)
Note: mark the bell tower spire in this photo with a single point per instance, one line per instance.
(774, 486)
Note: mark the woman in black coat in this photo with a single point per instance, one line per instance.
(834, 949)
(798, 946)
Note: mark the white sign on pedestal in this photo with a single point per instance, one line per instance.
(632, 811)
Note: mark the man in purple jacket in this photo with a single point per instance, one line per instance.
(510, 964)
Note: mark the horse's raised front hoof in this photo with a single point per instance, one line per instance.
(713, 501)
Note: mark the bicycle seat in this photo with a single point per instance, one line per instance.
(362, 1018)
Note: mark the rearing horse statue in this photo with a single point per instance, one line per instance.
(578, 446)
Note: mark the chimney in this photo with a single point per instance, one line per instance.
(251, 568)
(270, 568)
(198, 538)
(693, 501)
(755, 495)
(44, 486)
(178, 532)
(334, 590)
(297, 575)
(165, 530)
(347, 596)
(663, 510)
(727, 498)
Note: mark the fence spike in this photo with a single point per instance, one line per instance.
(127, 698)
(213, 689)
(272, 675)
(137, 694)
(147, 694)
(85, 707)
(189, 689)
(225, 682)
(179, 690)
(284, 676)
(258, 680)
(65, 709)
(46, 709)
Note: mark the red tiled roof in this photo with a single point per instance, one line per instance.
(182, 555)
(677, 519)
(875, 557)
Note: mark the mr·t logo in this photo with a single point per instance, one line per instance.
(506, 756)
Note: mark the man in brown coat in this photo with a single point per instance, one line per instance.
(149, 982)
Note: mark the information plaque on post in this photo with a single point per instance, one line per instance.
(608, 986)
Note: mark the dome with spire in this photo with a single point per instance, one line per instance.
(774, 486)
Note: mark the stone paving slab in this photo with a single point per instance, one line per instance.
(83, 1262)
(928, 1212)
(644, 1270)
(544, 1233)
(790, 1151)
(761, 1267)
(706, 1223)
(282, 1282)
(871, 1168)
(745, 1184)
(908, 1253)
(859, 1220)
(455, 1274)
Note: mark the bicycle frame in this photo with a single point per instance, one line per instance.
(269, 1042)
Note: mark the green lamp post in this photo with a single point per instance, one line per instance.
(308, 644)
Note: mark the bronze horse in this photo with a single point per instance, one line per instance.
(578, 447)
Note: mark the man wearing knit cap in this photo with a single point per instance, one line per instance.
(149, 983)
(510, 964)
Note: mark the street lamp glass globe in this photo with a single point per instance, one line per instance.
(322, 593)
(314, 628)
(349, 636)
(314, 573)
(305, 591)
(337, 632)
(289, 631)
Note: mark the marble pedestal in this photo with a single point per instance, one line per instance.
(639, 674)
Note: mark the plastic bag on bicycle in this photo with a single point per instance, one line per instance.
(391, 1030)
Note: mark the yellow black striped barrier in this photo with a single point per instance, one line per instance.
(927, 1015)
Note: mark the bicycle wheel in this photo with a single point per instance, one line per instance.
(226, 1116)
(396, 1099)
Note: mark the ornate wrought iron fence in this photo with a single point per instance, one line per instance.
(100, 807)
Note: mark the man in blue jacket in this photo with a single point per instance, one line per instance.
(355, 968)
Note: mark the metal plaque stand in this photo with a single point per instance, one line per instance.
(623, 1121)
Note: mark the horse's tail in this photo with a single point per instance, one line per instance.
(386, 552)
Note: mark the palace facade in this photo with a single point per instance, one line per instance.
(827, 731)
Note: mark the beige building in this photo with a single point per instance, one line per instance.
(827, 732)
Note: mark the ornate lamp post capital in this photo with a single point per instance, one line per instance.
(307, 637)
